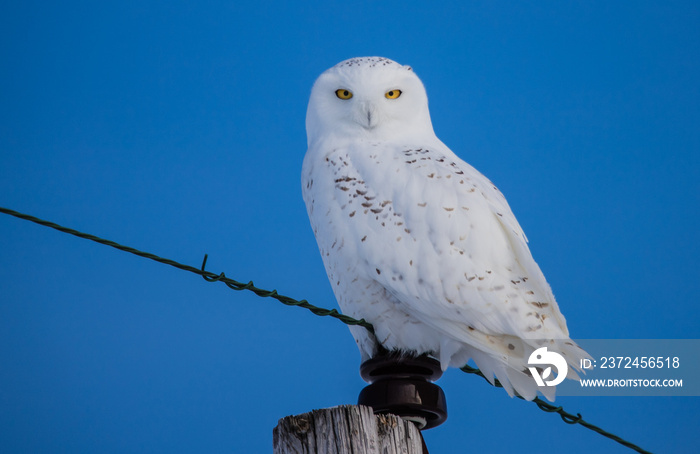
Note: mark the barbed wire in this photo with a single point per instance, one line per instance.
(208, 276)
(235, 285)
(565, 416)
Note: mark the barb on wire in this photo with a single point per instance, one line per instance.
(235, 285)
(230, 283)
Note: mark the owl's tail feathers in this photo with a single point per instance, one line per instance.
(573, 355)
(515, 382)
(510, 367)
(457, 354)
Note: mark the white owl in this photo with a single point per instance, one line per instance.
(415, 240)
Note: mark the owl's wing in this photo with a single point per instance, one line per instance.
(448, 247)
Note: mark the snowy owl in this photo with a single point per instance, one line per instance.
(415, 240)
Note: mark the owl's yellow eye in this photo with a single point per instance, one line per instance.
(392, 94)
(343, 93)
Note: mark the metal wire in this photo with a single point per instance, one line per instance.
(565, 416)
(235, 285)
(208, 276)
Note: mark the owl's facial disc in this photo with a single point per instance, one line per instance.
(368, 97)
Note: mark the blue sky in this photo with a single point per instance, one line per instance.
(179, 129)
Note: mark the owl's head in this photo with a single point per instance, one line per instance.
(369, 97)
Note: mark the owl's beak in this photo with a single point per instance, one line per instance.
(369, 116)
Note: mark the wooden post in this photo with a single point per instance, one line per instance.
(346, 429)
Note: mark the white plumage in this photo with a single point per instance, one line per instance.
(415, 240)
